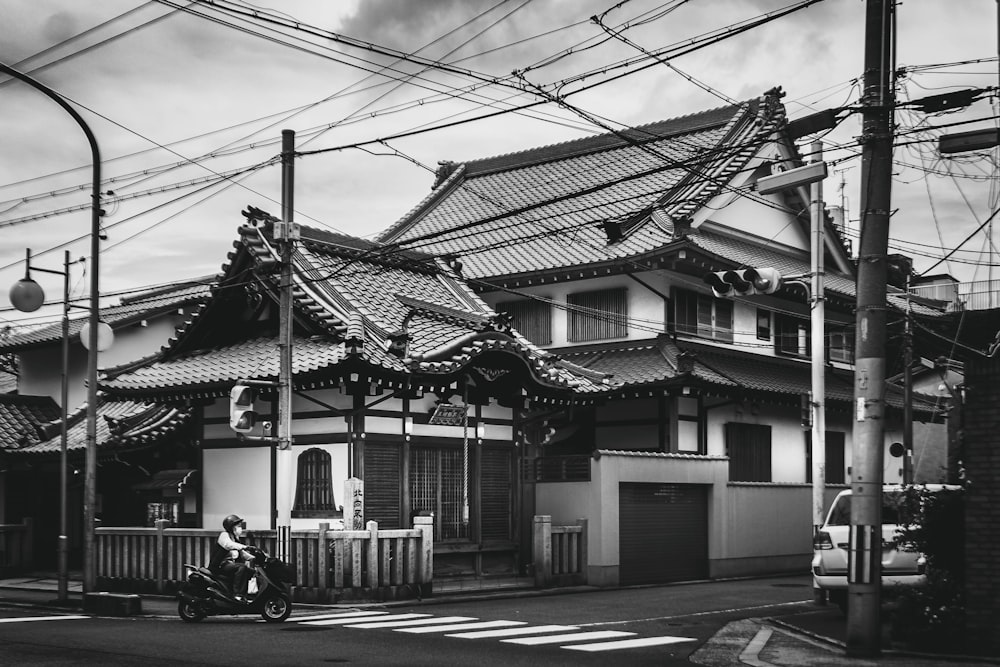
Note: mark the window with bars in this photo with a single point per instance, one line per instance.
(703, 316)
(314, 485)
(748, 447)
(597, 315)
(436, 486)
(531, 318)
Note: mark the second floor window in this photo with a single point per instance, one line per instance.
(531, 318)
(597, 315)
(791, 336)
(703, 316)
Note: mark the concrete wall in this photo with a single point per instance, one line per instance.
(980, 452)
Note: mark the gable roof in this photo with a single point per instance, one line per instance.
(130, 310)
(547, 207)
(355, 302)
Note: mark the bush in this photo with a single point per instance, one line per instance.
(933, 616)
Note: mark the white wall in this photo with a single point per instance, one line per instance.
(41, 369)
(237, 481)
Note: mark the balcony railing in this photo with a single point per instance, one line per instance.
(976, 295)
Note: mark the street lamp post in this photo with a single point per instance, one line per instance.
(90, 476)
(27, 296)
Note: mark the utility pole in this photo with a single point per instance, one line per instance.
(908, 388)
(286, 232)
(865, 550)
(818, 335)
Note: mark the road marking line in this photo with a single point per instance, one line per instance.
(29, 619)
(630, 643)
(403, 624)
(342, 614)
(698, 613)
(575, 636)
(751, 654)
(358, 619)
(513, 632)
(462, 626)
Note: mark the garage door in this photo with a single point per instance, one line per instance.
(663, 532)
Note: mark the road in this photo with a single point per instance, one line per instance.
(638, 626)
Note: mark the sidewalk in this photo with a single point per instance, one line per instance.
(814, 638)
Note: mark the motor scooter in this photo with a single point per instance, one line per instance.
(207, 594)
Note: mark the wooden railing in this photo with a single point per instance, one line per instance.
(330, 565)
(16, 540)
(560, 553)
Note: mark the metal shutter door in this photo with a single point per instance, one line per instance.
(663, 532)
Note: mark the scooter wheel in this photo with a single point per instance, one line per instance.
(189, 611)
(276, 609)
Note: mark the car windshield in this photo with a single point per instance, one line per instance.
(840, 515)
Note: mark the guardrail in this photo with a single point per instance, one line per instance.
(16, 540)
(330, 565)
(560, 553)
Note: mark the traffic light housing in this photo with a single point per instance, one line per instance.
(744, 282)
(241, 415)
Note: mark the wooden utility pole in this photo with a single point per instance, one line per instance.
(286, 232)
(864, 566)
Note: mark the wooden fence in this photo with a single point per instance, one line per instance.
(560, 553)
(330, 565)
(16, 541)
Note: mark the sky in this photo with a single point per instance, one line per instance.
(188, 100)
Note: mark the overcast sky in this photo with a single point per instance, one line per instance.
(161, 87)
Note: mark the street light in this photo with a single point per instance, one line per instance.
(27, 296)
(90, 476)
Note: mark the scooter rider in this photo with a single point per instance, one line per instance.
(229, 556)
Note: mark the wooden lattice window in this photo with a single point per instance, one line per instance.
(597, 315)
(314, 485)
(530, 318)
(749, 449)
(436, 486)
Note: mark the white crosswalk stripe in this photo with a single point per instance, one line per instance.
(569, 637)
(513, 632)
(630, 643)
(566, 639)
(32, 619)
(462, 626)
(341, 614)
(397, 623)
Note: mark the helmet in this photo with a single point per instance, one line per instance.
(230, 522)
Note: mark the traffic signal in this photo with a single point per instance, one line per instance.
(744, 282)
(241, 414)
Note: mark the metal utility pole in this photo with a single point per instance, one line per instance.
(818, 335)
(90, 459)
(864, 565)
(908, 389)
(286, 231)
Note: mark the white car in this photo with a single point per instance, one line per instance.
(900, 567)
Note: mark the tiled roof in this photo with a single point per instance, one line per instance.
(120, 426)
(131, 309)
(207, 370)
(544, 208)
(21, 417)
(654, 363)
(354, 300)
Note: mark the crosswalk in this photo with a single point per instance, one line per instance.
(570, 637)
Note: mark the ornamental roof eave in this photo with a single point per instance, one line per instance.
(121, 426)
